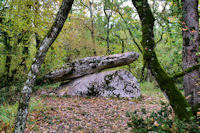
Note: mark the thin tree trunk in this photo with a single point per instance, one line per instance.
(108, 39)
(7, 78)
(190, 31)
(92, 26)
(8, 48)
(166, 83)
(123, 46)
(37, 40)
(25, 54)
(20, 123)
(108, 27)
(142, 73)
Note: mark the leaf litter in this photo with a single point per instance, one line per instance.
(86, 114)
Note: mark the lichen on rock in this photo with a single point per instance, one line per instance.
(118, 83)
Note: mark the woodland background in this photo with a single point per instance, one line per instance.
(26, 23)
(93, 28)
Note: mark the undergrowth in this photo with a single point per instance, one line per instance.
(162, 121)
(8, 113)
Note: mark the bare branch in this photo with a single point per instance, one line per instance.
(161, 37)
(129, 31)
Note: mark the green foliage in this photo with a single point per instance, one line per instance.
(148, 86)
(7, 95)
(75, 40)
(142, 121)
(23, 19)
(8, 112)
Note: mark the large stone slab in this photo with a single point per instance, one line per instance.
(118, 83)
(89, 65)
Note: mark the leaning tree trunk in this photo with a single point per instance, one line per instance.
(190, 31)
(166, 83)
(22, 113)
(89, 65)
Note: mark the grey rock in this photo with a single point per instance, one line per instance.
(118, 83)
(90, 65)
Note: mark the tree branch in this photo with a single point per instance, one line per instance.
(188, 70)
(129, 31)
(37, 40)
(161, 37)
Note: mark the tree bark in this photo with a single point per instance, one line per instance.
(8, 48)
(90, 65)
(22, 113)
(190, 31)
(166, 83)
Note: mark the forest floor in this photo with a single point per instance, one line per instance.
(88, 115)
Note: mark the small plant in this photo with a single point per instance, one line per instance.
(163, 121)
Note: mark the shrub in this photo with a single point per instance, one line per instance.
(8, 95)
(161, 121)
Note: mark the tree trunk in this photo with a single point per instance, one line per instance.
(37, 40)
(8, 48)
(190, 31)
(123, 46)
(92, 26)
(107, 38)
(108, 28)
(90, 65)
(22, 113)
(25, 53)
(166, 83)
